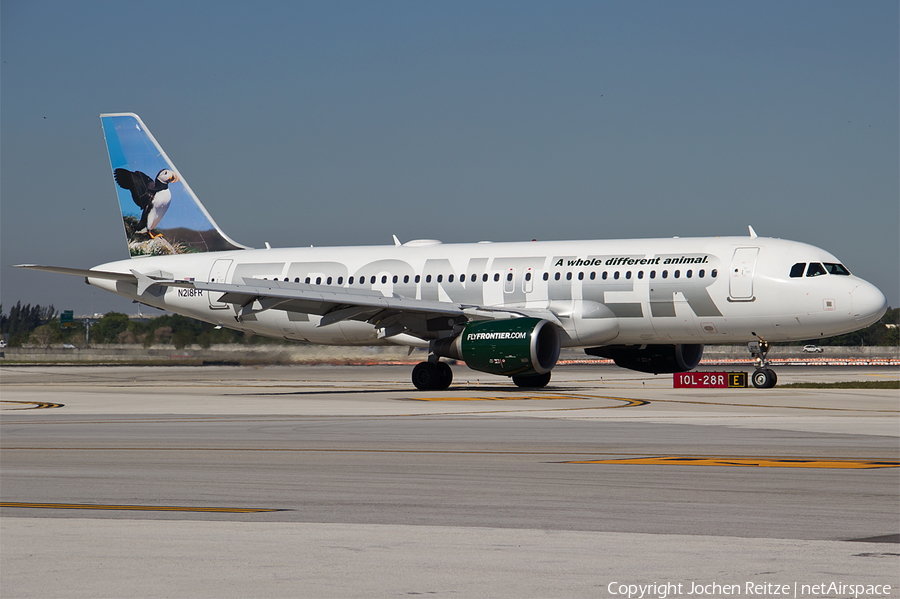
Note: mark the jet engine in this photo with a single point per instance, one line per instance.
(655, 359)
(517, 346)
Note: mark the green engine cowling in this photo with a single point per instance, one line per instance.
(516, 346)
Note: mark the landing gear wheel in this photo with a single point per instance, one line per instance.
(764, 378)
(425, 376)
(534, 381)
(445, 375)
(432, 376)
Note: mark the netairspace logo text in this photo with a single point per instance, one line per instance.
(751, 589)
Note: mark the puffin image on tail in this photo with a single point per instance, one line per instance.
(152, 196)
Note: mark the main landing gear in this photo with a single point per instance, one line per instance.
(433, 375)
(763, 377)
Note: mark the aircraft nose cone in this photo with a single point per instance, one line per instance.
(868, 304)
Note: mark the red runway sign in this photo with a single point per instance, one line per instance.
(710, 380)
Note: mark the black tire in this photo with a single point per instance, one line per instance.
(445, 374)
(426, 376)
(763, 378)
(535, 381)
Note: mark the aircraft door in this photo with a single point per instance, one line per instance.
(218, 274)
(740, 278)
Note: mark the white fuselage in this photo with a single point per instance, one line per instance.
(637, 291)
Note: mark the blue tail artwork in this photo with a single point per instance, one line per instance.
(160, 212)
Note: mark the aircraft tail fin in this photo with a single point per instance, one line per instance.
(160, 211)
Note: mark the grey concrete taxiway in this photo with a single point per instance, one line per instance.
(347, 482)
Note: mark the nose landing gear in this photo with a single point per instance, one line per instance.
(763, 377)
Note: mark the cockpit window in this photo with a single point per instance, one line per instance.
(836, 269)
(797, 270)
(815, 269)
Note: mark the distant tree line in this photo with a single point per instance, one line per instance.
(22, 321)
(40, 325)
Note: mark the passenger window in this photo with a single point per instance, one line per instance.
(568, 276)
(714, 273)
(815, 269)
(527, 276)
(509, 277)
(496, 276)
(665, 274)
(395, 279)
(406, 278)
(628, 275)
(836, 269)
(593, 275)
(427, 278)
(296, 279)
(340, 280)
(556, 276)
(546, 276)
(581, 276)
(474, 276)
(640, 274)
(690, 273)
(440, 278)
(797, 270)
(652, 274)
(450, 279)
(418, 278)
(484, 278)
(328, 281)
(616, 275)
(677, 273)
(605, 275)
(318, 280)
(307, 280)
(701, 273)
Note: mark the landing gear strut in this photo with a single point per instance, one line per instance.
(763, 377)
(432, 376)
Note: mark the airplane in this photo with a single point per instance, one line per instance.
(507, 309)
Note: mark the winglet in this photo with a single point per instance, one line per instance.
(752, 232)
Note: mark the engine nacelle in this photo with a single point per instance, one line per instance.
(520, 346)
(655, 359)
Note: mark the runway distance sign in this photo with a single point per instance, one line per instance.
(710, 380)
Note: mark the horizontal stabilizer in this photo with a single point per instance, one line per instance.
(80, 272)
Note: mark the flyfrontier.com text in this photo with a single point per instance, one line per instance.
(751, 589)
(498, 335)
(627, 261)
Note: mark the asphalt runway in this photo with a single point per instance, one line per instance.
(347, 482)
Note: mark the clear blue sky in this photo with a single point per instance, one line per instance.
(341, 123)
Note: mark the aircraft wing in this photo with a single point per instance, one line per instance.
(393, 314)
